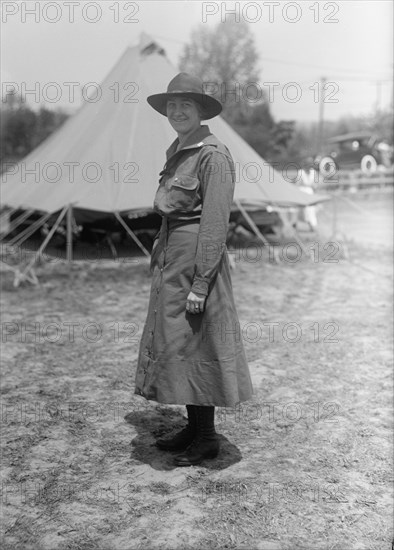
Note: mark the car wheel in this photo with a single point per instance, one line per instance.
(327, 167)
(368, 164)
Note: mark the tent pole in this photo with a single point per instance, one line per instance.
(47, 239)
(25, 234)
(8, 212)
(15, 223)
(69, 235)
(69, 244)
(132, 235)
(255, 228)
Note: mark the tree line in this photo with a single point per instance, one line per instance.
(22, 129)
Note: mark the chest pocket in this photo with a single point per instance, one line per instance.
(182, 192)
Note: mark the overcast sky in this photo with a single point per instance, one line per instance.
(348, 42)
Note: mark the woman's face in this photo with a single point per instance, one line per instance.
(183, 115)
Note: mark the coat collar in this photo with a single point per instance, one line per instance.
(202, 136)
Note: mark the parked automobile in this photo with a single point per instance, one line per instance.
(358, 150)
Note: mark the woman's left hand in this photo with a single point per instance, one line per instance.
(195, 303)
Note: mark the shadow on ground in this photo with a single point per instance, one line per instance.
(152, 424)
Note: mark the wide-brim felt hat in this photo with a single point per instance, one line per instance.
(186, 85)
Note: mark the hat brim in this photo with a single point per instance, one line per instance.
(211, 107)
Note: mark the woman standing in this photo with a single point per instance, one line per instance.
(191, 351)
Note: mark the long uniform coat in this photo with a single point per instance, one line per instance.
(187, 358)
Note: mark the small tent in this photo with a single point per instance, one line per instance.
(106, 158)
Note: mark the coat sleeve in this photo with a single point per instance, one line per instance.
(217, 186)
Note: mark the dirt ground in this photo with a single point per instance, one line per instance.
(306, 464)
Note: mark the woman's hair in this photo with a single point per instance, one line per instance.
(201, 110)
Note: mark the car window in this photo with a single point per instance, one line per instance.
(351, 145)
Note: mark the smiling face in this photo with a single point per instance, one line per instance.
(183, 115)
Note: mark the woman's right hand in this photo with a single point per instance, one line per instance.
(195, 303)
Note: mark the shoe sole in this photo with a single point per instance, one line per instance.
(196, 462)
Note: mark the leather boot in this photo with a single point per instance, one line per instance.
(205, 444)
(182, 439)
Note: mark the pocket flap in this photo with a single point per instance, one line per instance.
(186, 182)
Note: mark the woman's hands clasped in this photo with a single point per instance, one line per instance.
(195, 303)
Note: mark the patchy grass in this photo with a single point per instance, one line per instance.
(306, 464)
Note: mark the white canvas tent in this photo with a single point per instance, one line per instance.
(106, 158)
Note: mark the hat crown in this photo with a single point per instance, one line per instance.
(184, 82)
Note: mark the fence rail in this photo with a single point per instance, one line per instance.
(357, 180)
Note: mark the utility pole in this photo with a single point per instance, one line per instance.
(323, 81)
